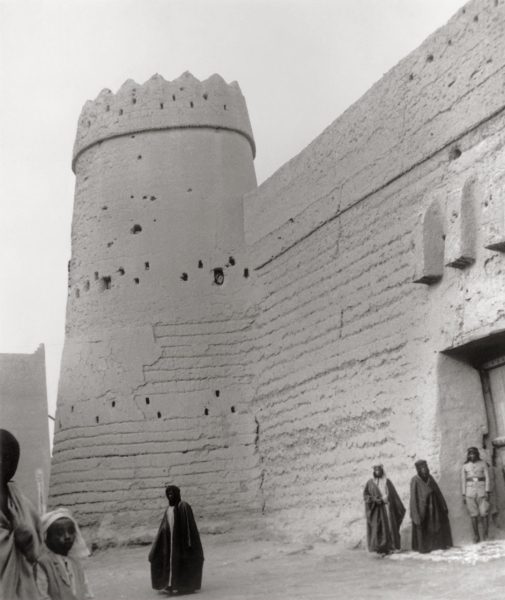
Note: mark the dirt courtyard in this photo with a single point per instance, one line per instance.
(246, 570)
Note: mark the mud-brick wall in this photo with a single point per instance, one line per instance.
(346, 344)
(188, 423)
(23, 412)
(154, 385)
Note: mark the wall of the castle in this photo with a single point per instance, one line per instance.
(368, 255)
(154, 387)
(148, 207)
(23, 412)
(346, 345)
(159, 105)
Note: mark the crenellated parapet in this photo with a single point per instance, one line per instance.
(159, 104)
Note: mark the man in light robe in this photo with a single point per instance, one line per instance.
(476, 491)
(431, 529)
(384, 513)
(176, 555)
(20, 529)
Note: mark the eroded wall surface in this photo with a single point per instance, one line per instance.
(154, 386)
(23, 412)
(354, 280)
(373, 253)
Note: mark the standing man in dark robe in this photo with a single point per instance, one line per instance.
(384, 513)
(176, 555)
(431, 529)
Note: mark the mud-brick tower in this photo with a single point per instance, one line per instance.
(154, 380)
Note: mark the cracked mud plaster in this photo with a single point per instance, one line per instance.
(114, 372)
(128, 399)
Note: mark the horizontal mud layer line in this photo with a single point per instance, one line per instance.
(196, 455)
(160, 128)
(200, 440)
(123, 478)
(285, 382)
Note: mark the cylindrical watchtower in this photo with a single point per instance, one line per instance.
(154, 382)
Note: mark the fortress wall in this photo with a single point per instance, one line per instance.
(23, 412)
(154, 387)
(372, 261)
(348, 370)
(451, 83)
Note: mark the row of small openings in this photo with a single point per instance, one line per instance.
(218, 276)
(217, 393)
(162, 104)
(132, 196)
(105, 283)
(207, 413)
(218, 272)
(113, 404)
(158, 413)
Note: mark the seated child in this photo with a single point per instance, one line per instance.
(20, 529)
(60, 575)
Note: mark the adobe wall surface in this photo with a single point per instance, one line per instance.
(154, 387)
(23, 412)
(354, 280)
(348, 370)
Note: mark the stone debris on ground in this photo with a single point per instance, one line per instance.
(470, 555)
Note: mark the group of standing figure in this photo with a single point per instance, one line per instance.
(431, 529)
(41, 556)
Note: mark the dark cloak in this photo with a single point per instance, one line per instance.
(431, 529)
(383, 536)
(187, 553)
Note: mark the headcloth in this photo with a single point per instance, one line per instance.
(420, 462)
(176, 490)
(381, 482)
(9, 450)
(79, 549)
(472, 449)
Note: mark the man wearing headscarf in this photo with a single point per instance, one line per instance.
(176, 555)
(384, 513)
(60, 574)
(20, 529)
(476, 486)
(431, 529)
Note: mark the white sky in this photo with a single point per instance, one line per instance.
(299, 63)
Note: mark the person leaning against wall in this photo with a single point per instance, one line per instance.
(476, 492)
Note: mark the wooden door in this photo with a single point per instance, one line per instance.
(493, 381)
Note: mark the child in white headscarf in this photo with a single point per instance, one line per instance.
(60, 574)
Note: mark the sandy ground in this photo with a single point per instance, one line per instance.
(242, 570)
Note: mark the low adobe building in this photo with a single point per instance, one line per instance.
(23, 412)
